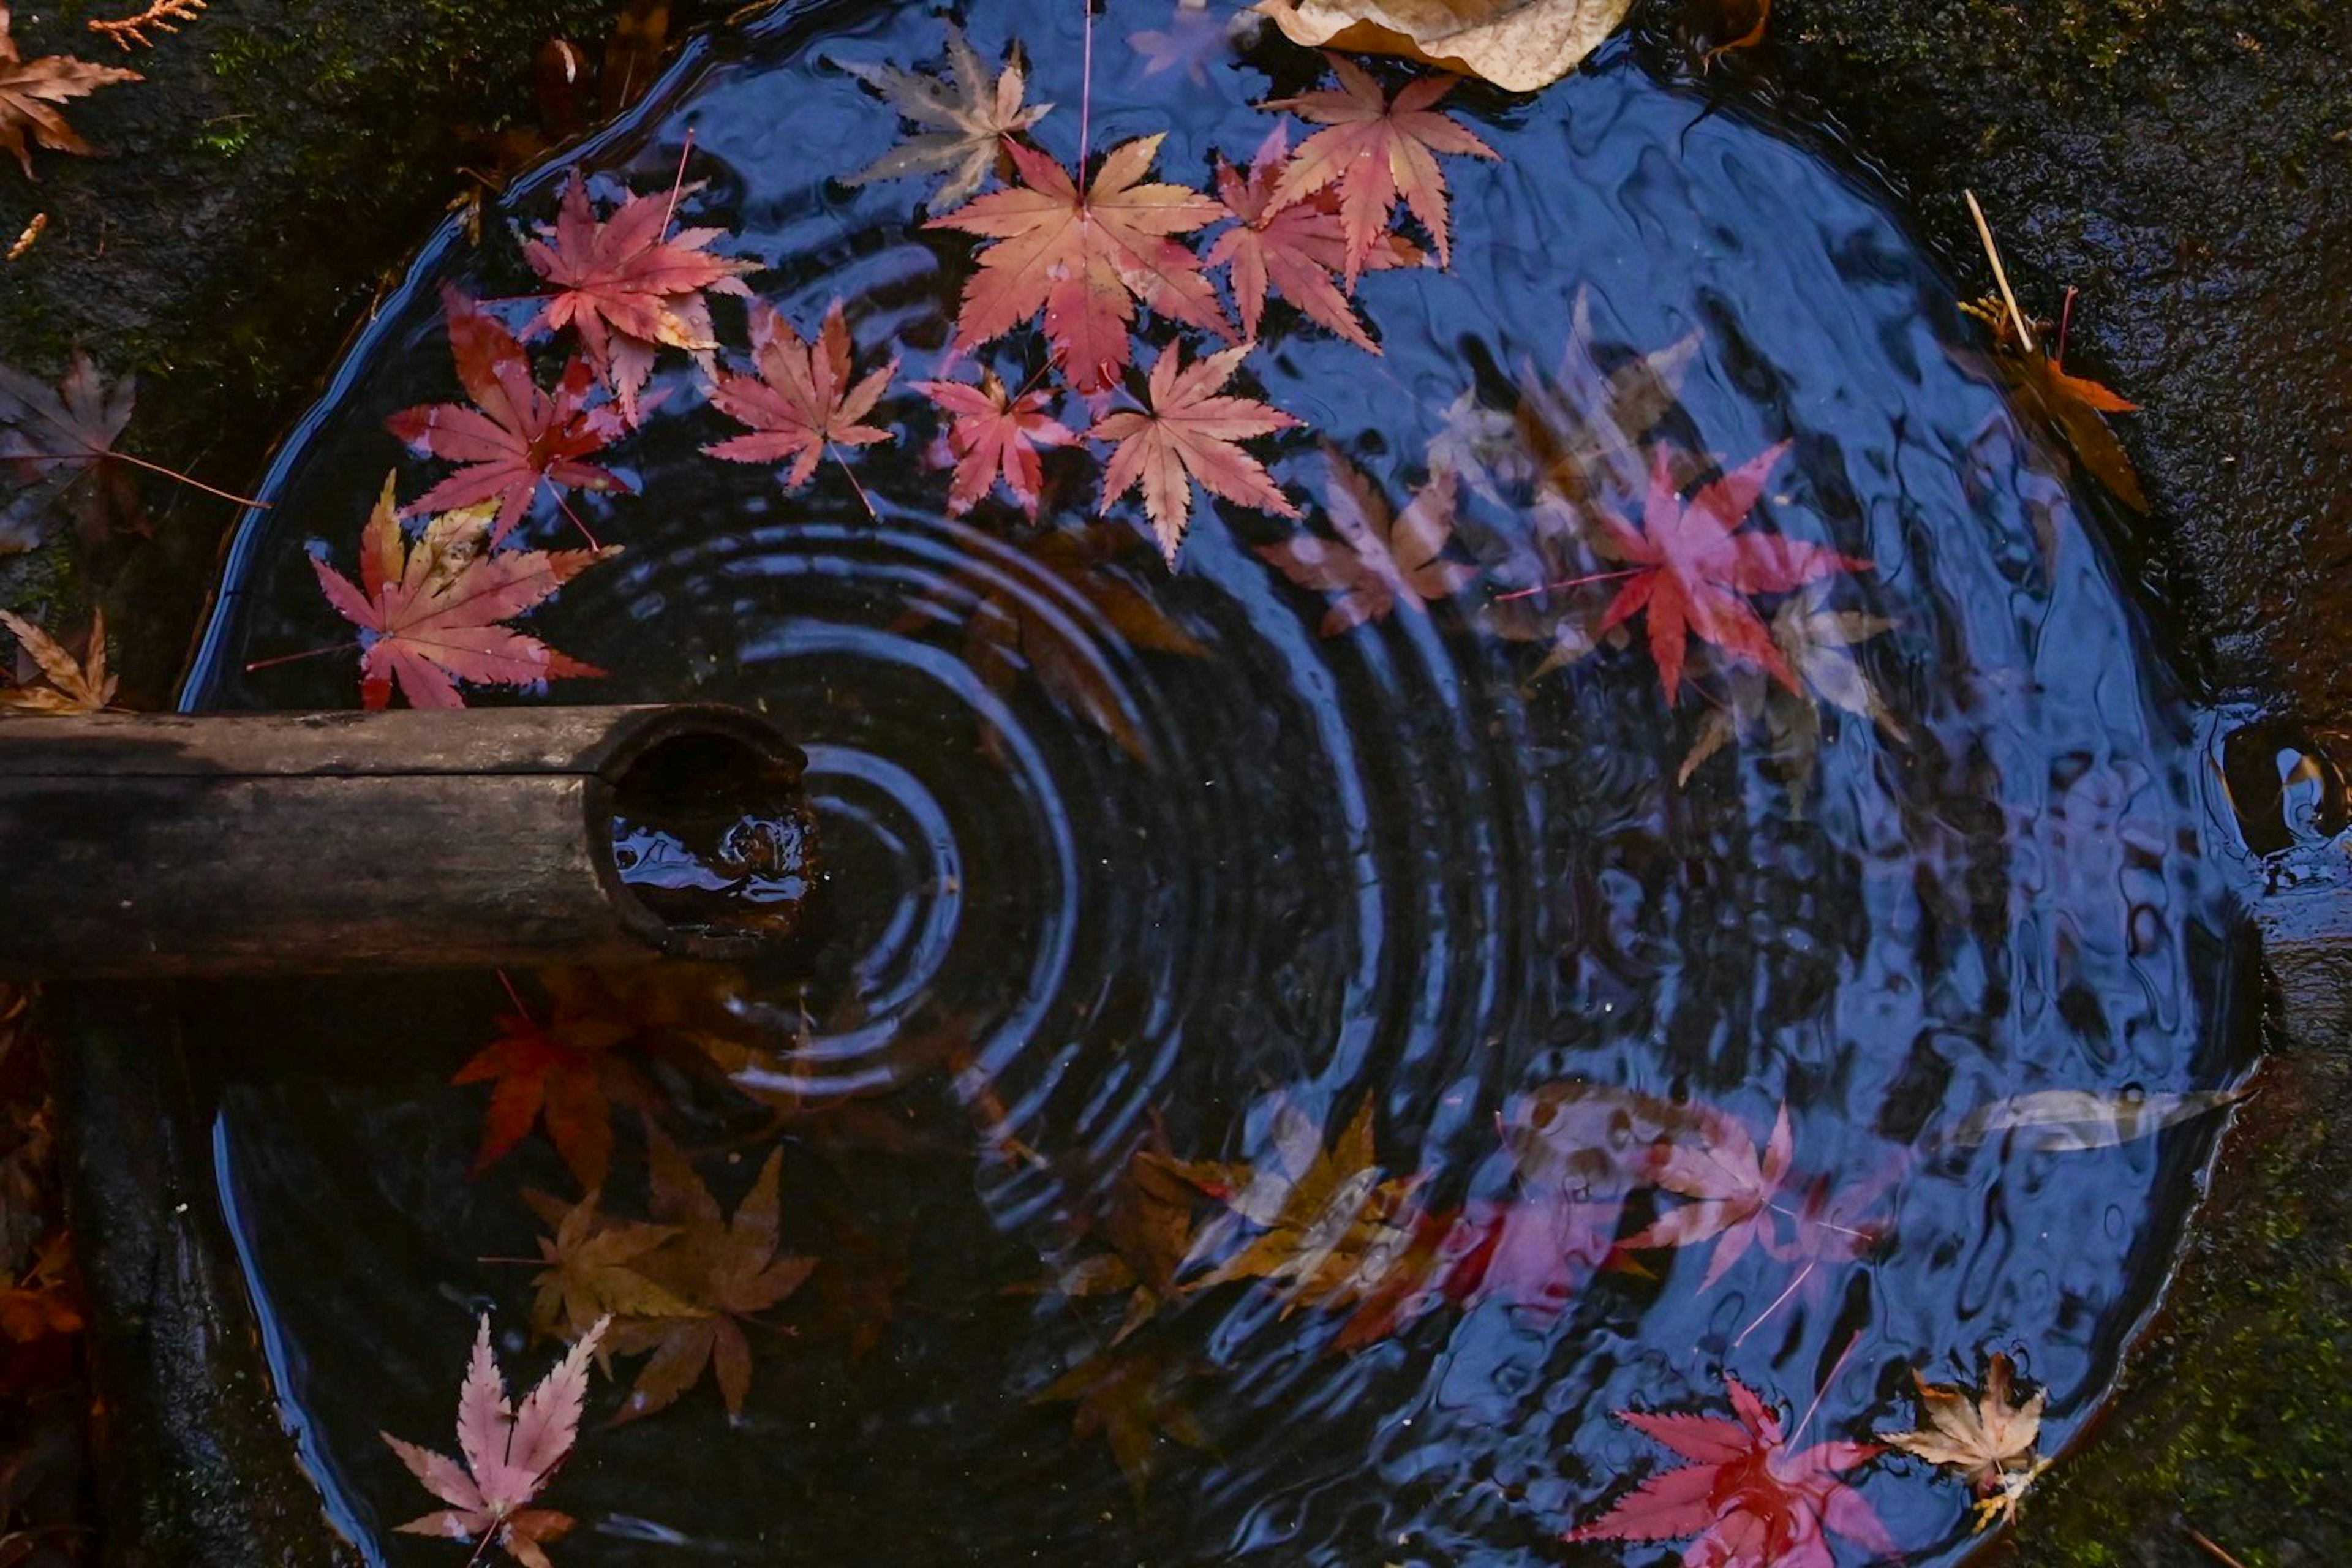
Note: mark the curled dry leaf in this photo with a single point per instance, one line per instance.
(1990, 1439)
(30, 92)
(74, 685)
(1521, 45)
(2066, 1120)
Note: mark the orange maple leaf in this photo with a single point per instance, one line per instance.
(1294, 249)
(992, 431)
(29, 90)
(1373, 149)
(1084, 259)
(432, 616)
(801, 403)
(1188, 432)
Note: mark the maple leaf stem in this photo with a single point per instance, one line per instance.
(1835, 1367)
(2065, 323)
(1566, 583)
(678, 183)
(1087, 89)
(191, 482)
(487, 1537)
(295, 658)
(575, 516)
(514, 996)
(863, 499)
(1777, 1303)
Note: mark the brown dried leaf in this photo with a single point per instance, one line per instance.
(1518, 45)
(73, 687)
(30, 91)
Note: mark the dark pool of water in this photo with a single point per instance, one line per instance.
(1119, 853)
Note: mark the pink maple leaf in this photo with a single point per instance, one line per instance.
(627, 285)
(516, 436)
(1752, 1503)
(1732, 1188)
(1693, 571)
(509, 1454)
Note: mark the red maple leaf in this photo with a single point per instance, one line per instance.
(1374, 150)
(1084, 259)
(1189, 432)
(560, 1077)
(433, 614)
(1731, 1187)
(627, 284)
(1752, 1503)
(801, 403)
(1295, 249)
(1693, 572)
(516, 436)
(1531, 1253)
(992, 431)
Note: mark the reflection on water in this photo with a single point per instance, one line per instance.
(1326, 1074)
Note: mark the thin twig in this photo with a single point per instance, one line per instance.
(2001, 274)
(1566, 583)
(2202, 1538)
(129, 30)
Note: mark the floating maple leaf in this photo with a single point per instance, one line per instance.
(75, 685)
(1133, 1398)
(511, 1454)
(1991, 1441)
(992, 431)
(1730, 1186)
(731, 1268)
(801, 403)
(1817, 642)
(1752, 1502)
(2077, 405)
(29, 90)
(1518, 45)
(1382, 559)
(1295, 249)
(516, 437)
(68, 436)
(1374, 150)
(432, 615)
(1084, 259)
(1693, 574)
(1188, 431)
(974, 118)
(627, 284)
(596, 1267)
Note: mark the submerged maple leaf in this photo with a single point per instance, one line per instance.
(627, 284)
(511, 1454)
(540, 1075)
(1133, 1398)
(801, 403)
(1991, 1441)
(30, 91)
(1750, 1501)
(516, 437)
(595, 1268)
(1692, 572)
(1373, 149)
(973, 119)
(992, 431)
(68, 435)
(1818, 643)
(1190, 430)
(1330, 1223)
(732, 1268)
(1086, 259)
(1294, 248)
(75, 685)
(431, 616)
(1730, 1186)
(1384, 558)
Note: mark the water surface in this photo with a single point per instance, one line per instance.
(1122, 855)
